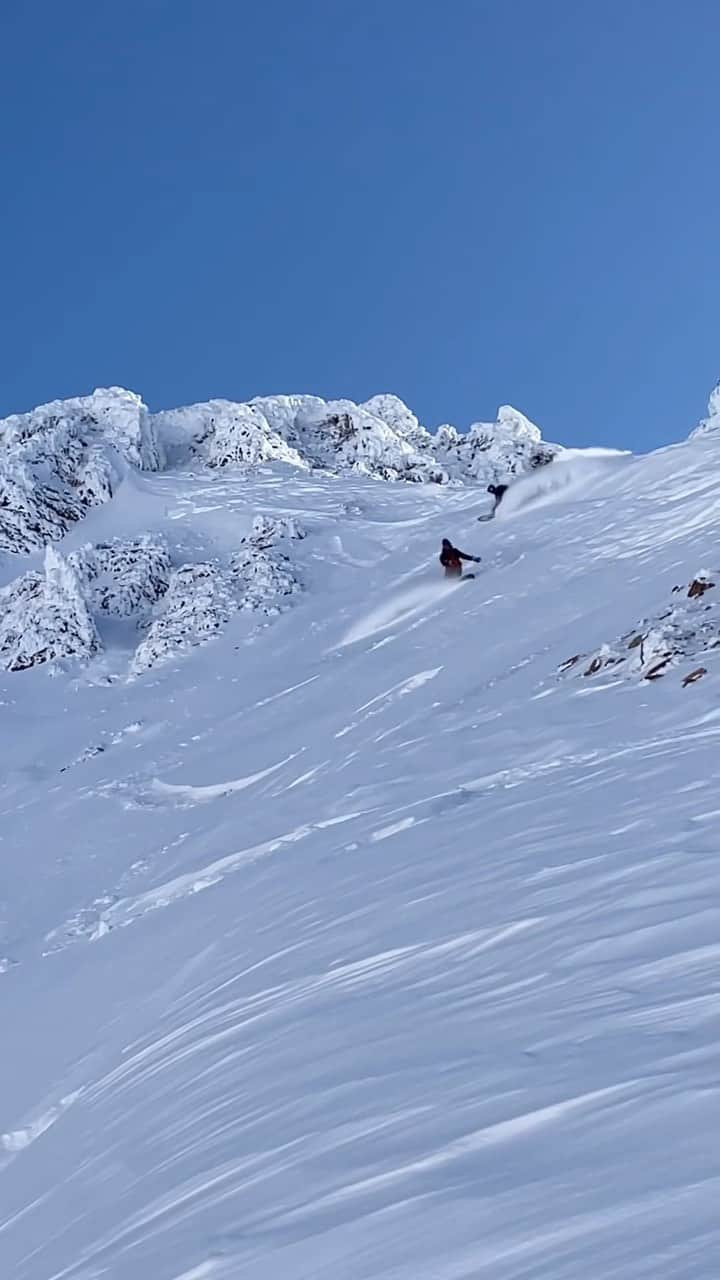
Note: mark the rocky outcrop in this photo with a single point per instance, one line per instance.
(201, 598)
(123, 578)
(684, 630)
(63, 458)
(44, 617)
(196, 606)
(380, 438)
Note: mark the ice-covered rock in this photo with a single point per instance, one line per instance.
(227, 434)
(125, 577)
(381, 438)
(201, 598)
(44, 617)
(263, 569)
(395, 414)
(342, 436)
(198, 603)
(711, 424)
(493, 451)
(67, 456)
(267, 530)
(63, 458)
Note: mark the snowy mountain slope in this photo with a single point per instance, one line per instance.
(366, 941)
(62, 459)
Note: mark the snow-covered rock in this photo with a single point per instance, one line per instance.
(342, 436)
(267, 531)
(685, 629)
(381, 438)
(31, 512)
(198, 603)
(227, 434)
(711, 424)
(263, 569)
(123, 577)
(395, 414)
(493, 451)
(65, 457)
(52, 615)
(201, 598)
(44, 617)
(282, 412)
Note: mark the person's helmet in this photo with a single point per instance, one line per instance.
(492, 488)
(446, 542)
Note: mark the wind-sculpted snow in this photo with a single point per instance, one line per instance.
(400, 606)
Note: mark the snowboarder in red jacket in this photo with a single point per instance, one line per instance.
(451, 559)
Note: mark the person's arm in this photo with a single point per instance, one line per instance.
(463, 556)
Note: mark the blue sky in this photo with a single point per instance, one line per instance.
(467, 203)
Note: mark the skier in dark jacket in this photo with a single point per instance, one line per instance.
(498, 492)
(451, 559)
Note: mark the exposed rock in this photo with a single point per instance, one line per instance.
(699, 586)
(677, 632)
(697, 674)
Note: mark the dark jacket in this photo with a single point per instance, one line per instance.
(498, 491)
(451, 559)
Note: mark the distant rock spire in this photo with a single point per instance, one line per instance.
(712, 422)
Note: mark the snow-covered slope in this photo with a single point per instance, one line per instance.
(374, 938)
(60, 460)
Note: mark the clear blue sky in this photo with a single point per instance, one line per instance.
(466, 202)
